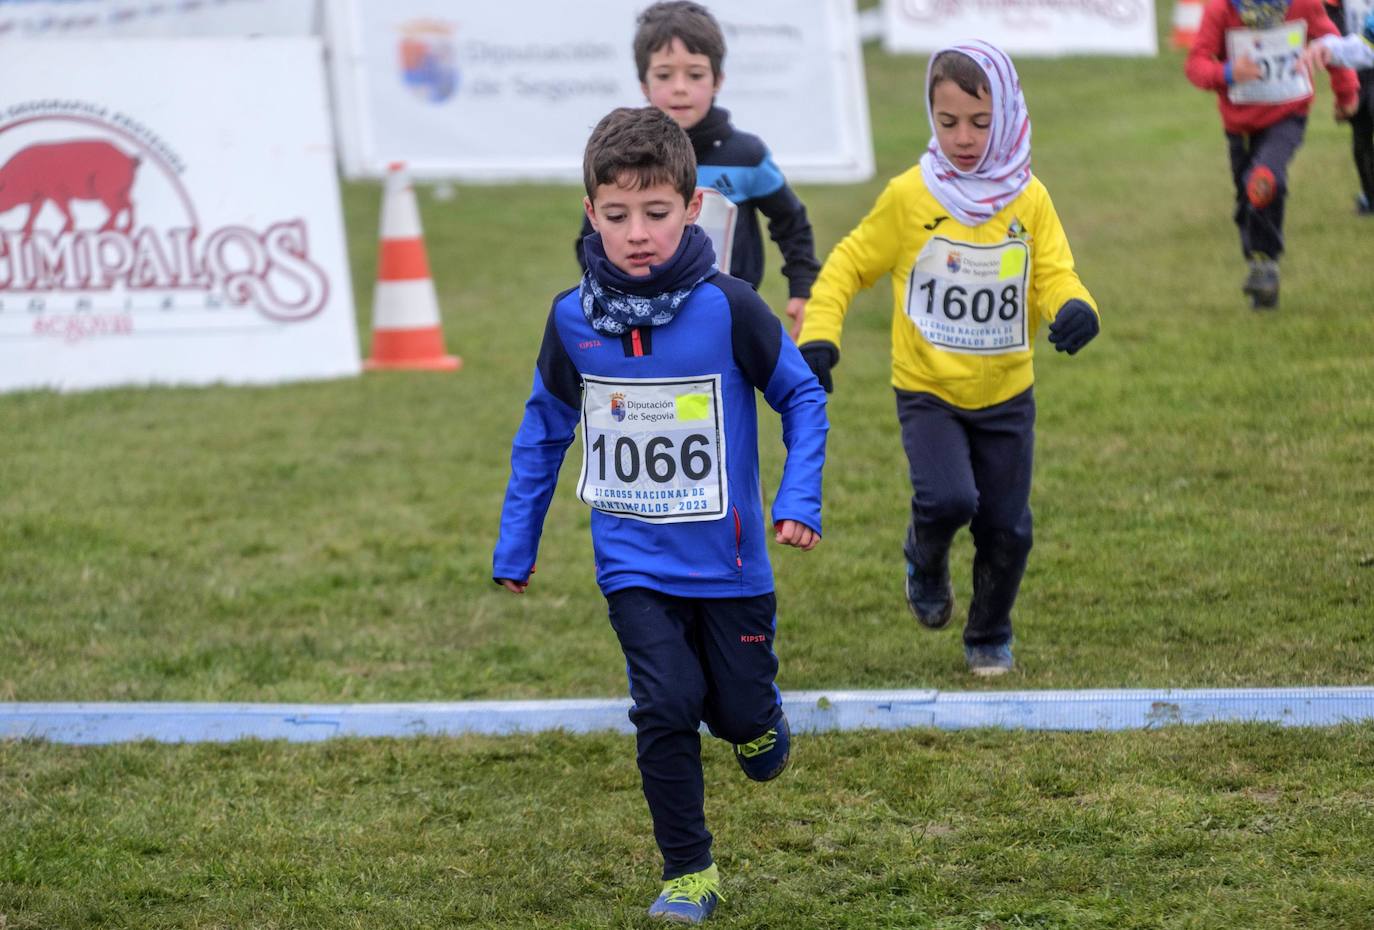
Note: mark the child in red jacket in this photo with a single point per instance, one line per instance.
(1250, 54)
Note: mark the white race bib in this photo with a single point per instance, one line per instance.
(717, 220)
(653, 449)
(970, 299)
(1278, 52)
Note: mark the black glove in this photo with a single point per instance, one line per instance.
(1074, 326)
(820, 357)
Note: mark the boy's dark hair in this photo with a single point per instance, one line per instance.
(962, 70)
(691, 22)
(642, 142)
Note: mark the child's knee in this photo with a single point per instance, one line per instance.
(678, 710)
(948, 510)
(1261, 186)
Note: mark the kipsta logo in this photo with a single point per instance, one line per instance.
(428, 64)
(97, 225)
(618, 406)
(954, 261)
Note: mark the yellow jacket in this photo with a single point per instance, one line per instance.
(976, 295)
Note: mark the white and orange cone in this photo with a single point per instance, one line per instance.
(405, 310)
(1187, 21)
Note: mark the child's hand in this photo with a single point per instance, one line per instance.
(1315, 57)
(792, 533)
(796, 312)
(1074, 326)
(513, 586)
(1347, 110)
(1243, 69)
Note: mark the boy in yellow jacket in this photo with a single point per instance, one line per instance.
(977, 259)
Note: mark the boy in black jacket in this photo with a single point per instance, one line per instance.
(679, 49)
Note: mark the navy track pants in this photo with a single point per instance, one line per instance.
(972, 467)
(689, 661)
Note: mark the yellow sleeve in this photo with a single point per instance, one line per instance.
(862, 257)
(1054, 281)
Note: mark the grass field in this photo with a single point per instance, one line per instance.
(1205, 517)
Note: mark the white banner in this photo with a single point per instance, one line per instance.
(166, 222)
(1024, 27)
(512, 90)
(89, 19)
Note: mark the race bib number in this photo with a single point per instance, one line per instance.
(1278, 52)
(970, 299)
(654, 449)
(717, 220)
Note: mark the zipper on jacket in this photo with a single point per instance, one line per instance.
(637, 342)
(739, 562)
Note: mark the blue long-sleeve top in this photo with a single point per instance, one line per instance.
(665, 515)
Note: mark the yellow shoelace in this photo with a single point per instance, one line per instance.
(758, 746)
(693, 888)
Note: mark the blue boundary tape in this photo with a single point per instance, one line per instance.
(808, 711)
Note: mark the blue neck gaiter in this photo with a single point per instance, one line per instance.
(615, 302)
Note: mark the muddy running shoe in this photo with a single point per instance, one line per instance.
(763, 759)
(987, 661)
(1262, 283)
(931, 599)
(688, 899)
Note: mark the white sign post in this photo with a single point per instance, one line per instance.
(485, 92)
(1024, 27)
(166, 222)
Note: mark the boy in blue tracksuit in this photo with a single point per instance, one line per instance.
(658, 356)
(679, 50)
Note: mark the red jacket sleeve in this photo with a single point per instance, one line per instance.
(1205, 66)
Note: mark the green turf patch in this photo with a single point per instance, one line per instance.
(1202, 827)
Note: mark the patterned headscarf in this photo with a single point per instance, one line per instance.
(1261, 14)
(973, 197)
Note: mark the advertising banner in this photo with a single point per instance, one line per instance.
(511, 91)
(1024, 27)
(89, 19)
(182, 231)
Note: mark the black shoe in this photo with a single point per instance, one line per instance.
(931, 599)
(1262, 283)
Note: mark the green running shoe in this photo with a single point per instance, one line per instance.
(689, 899)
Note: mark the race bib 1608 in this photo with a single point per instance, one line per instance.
(654, 449)
(968, 298)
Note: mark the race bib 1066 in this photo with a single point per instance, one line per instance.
(1278, 52)
(970, 299)
(654, 449)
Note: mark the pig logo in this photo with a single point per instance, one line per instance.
(428, 66)
(60, 172)
(95, 215)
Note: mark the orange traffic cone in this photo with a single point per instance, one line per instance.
(405, 309)
(1187, 20)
